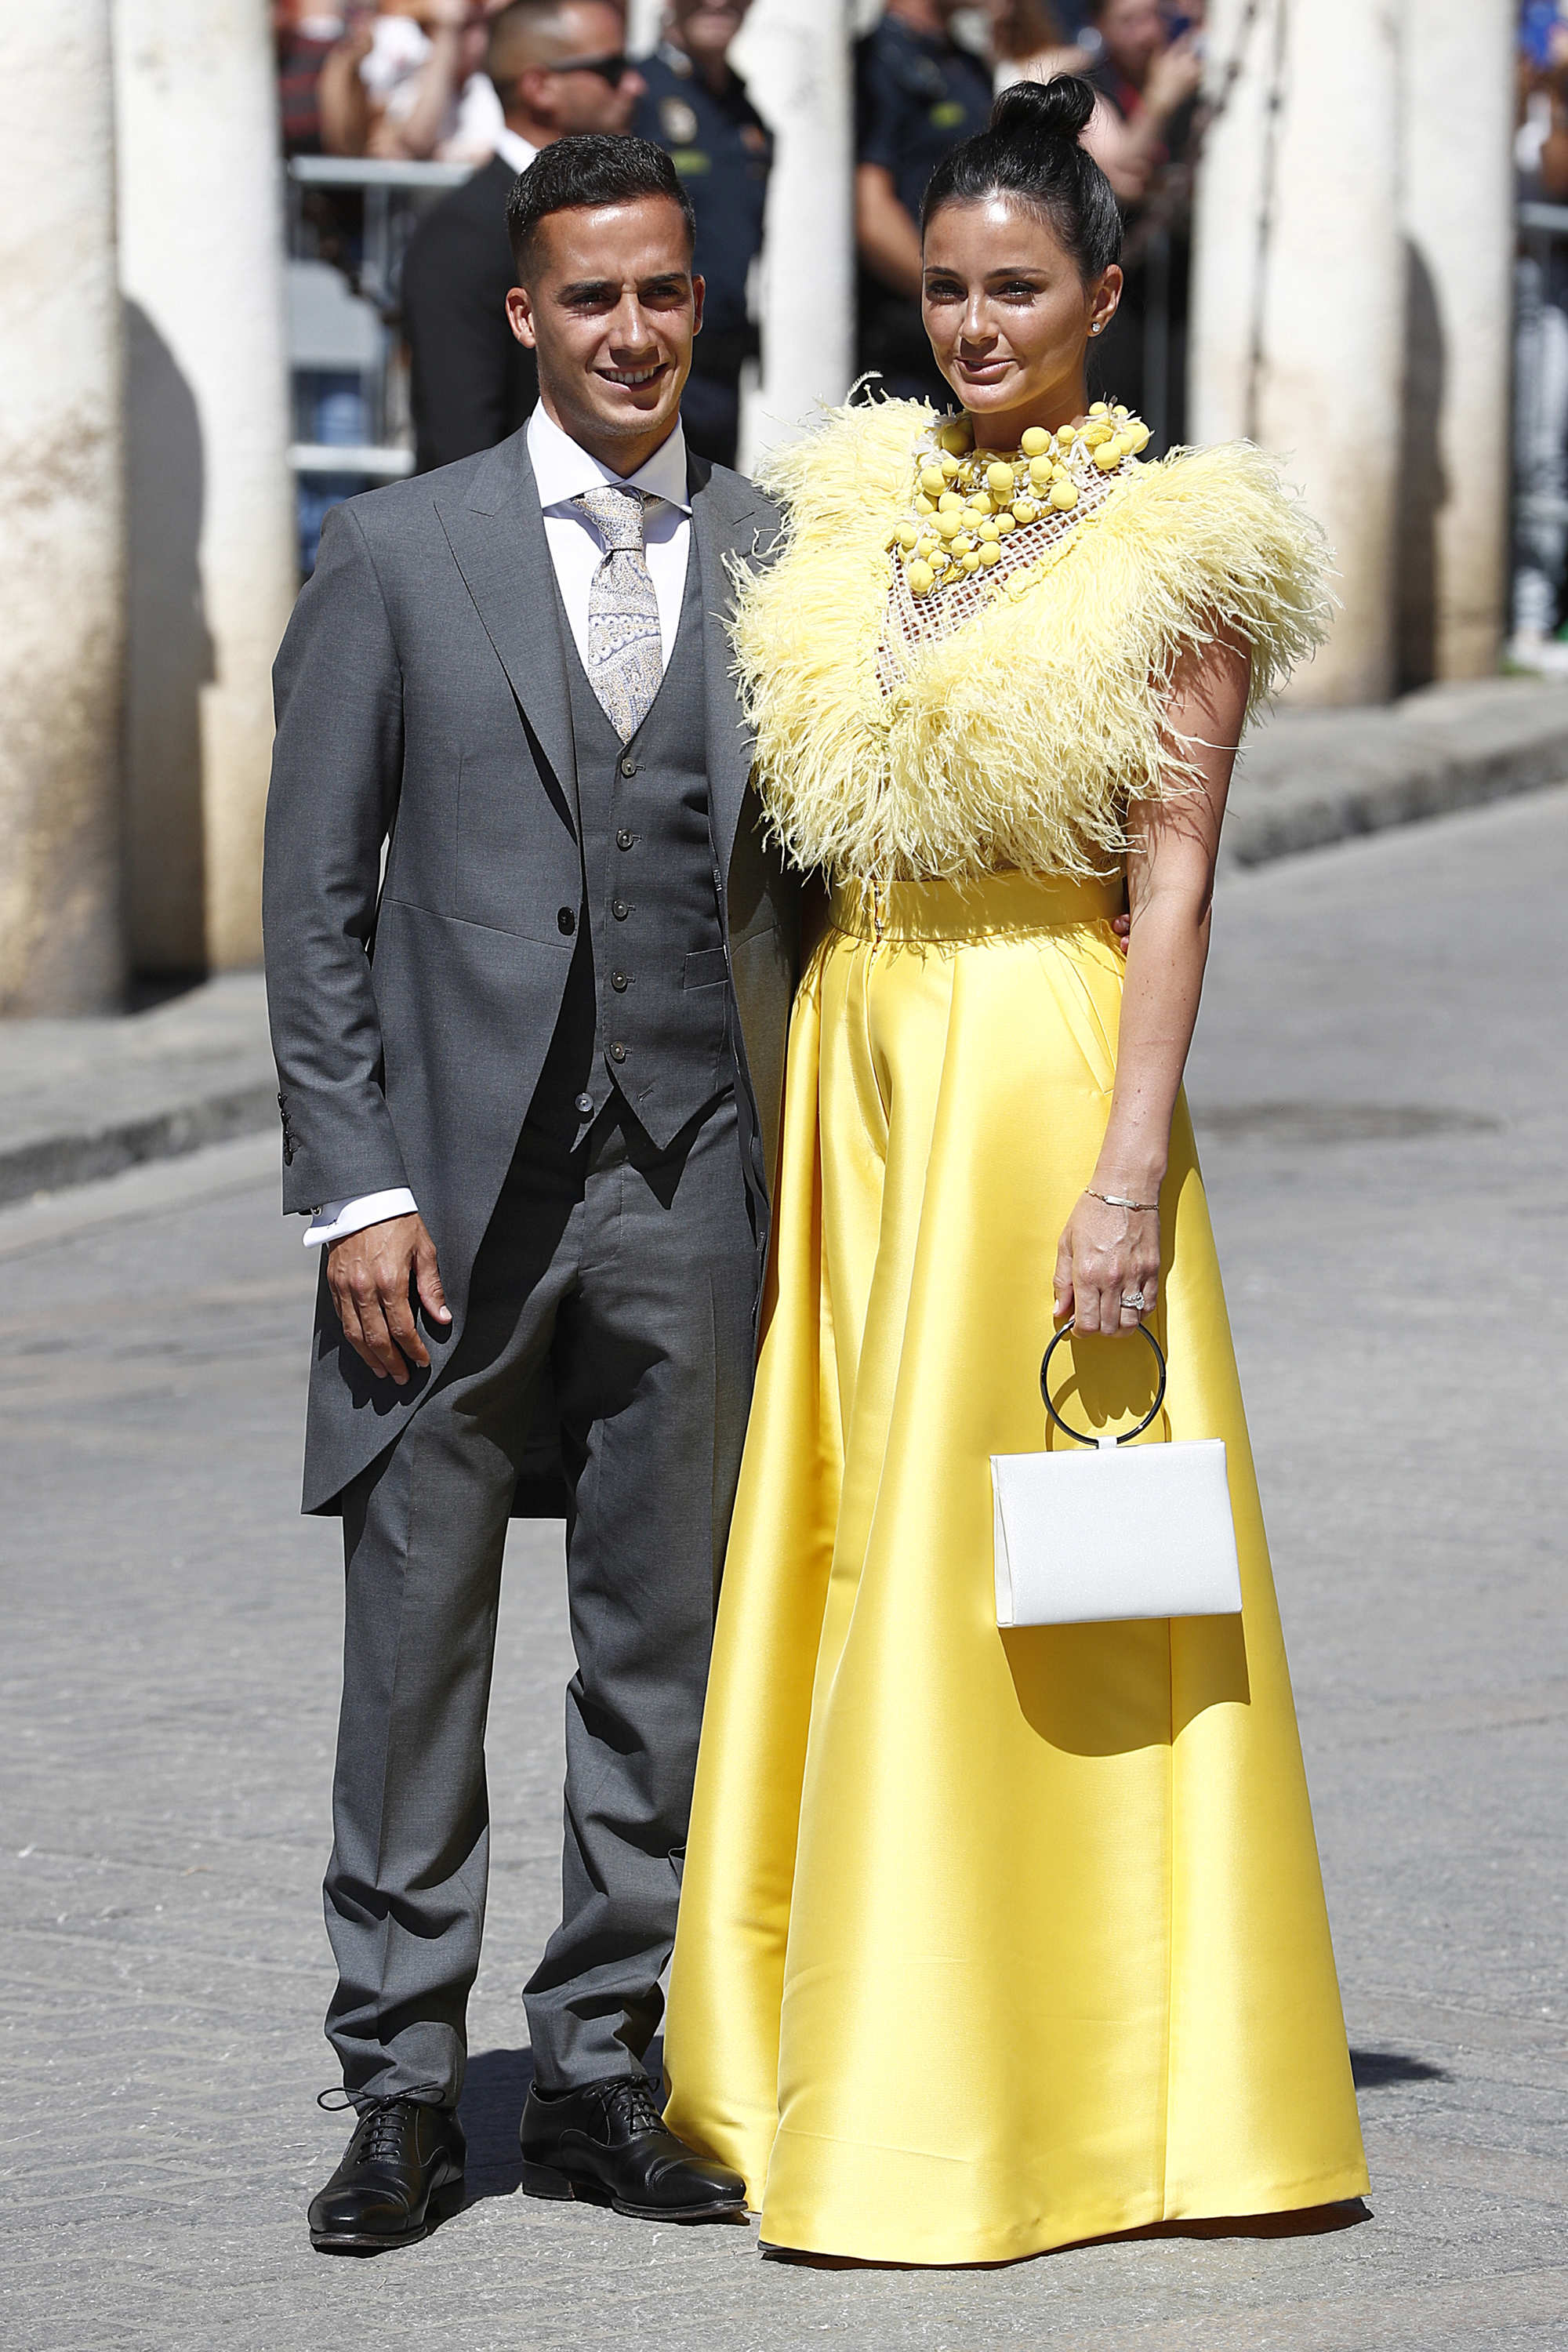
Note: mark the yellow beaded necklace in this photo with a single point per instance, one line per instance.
(965, 502)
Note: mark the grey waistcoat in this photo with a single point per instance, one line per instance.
(647, 1006)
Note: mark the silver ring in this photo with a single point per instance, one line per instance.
(1133, 1298)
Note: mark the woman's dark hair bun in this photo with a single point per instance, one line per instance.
(1060, 109)
(1031, 150)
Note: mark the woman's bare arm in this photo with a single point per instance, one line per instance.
(1107, 1253)
(416, 133)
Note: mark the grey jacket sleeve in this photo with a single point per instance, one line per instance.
(337, 764)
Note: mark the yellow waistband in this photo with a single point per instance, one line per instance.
(977, 909)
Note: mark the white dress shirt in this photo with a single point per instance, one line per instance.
(562, 471)
(510, 145)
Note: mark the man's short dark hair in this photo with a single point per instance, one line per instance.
(590, 167)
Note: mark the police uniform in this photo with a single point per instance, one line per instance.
(916, 96)
(723, 152)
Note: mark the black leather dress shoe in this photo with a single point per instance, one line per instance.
(402, 2160)
(609, 2144)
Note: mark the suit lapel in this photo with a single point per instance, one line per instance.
(724, 522)
(496, 533)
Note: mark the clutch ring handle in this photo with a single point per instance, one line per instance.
(1077, 1435)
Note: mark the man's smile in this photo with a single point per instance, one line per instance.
(635, 377)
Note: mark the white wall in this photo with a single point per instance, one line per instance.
(1298, 297)
(211, 533)
(61, 544)
(795, 56)
(1457, 211)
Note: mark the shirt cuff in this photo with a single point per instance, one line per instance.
(336, 1218)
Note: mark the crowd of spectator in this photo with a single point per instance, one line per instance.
(486, 83)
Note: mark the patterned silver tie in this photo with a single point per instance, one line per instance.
(626, 654)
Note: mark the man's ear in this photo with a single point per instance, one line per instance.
(537, 92)
(698, 291)
(520, 316)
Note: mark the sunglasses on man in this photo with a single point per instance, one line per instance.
(611, 70)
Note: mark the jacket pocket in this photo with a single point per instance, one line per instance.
(706, 968)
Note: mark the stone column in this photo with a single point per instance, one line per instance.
(211, 503)
(645, 22)
(62, 525)
(795, 56)
(1299, 290)
(1458, 217)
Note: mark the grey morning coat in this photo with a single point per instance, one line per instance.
(422, 702)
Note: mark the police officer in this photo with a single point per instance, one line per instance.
(696, 110)
(917, 94)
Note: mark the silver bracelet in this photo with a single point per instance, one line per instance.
(1118, 1200)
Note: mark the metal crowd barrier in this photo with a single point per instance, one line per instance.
(349, 220)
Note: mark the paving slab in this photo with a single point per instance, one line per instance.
(1377, 1088)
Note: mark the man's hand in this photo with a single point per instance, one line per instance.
(371, 1276)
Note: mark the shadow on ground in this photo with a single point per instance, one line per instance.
(1373, 2069)
(494, 2088)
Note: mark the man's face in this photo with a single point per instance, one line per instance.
(705, 28)
(609, 306)
(574, 97)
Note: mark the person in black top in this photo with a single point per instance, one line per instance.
(698, 110)
(917, 94)
(558, 66)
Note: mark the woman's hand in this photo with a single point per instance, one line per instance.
(1106, 1255)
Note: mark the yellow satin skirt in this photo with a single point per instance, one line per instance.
(988, 1942)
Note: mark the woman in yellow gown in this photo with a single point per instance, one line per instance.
(993, 1941)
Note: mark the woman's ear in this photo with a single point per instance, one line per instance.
(1107, 297)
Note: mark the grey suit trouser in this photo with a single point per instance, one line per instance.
(631, 1276)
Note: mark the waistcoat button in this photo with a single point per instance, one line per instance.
(618, 1052)
(618, 982)
(619, 908)
(565, 922)
(628, 766)
(624, 839)
(585, 1106)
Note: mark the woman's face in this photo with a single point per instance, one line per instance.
(1009, 316)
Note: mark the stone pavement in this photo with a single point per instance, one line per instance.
(83, 1099)
(1306, 777)
(1378, 1084)
(79, 1099)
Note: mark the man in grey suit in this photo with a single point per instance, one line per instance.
(530, 1083)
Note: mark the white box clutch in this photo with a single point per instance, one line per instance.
(1114, 1531)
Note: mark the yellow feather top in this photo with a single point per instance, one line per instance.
(1018, 739)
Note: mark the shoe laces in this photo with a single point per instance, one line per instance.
(630, 2102)
(379, 2134)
